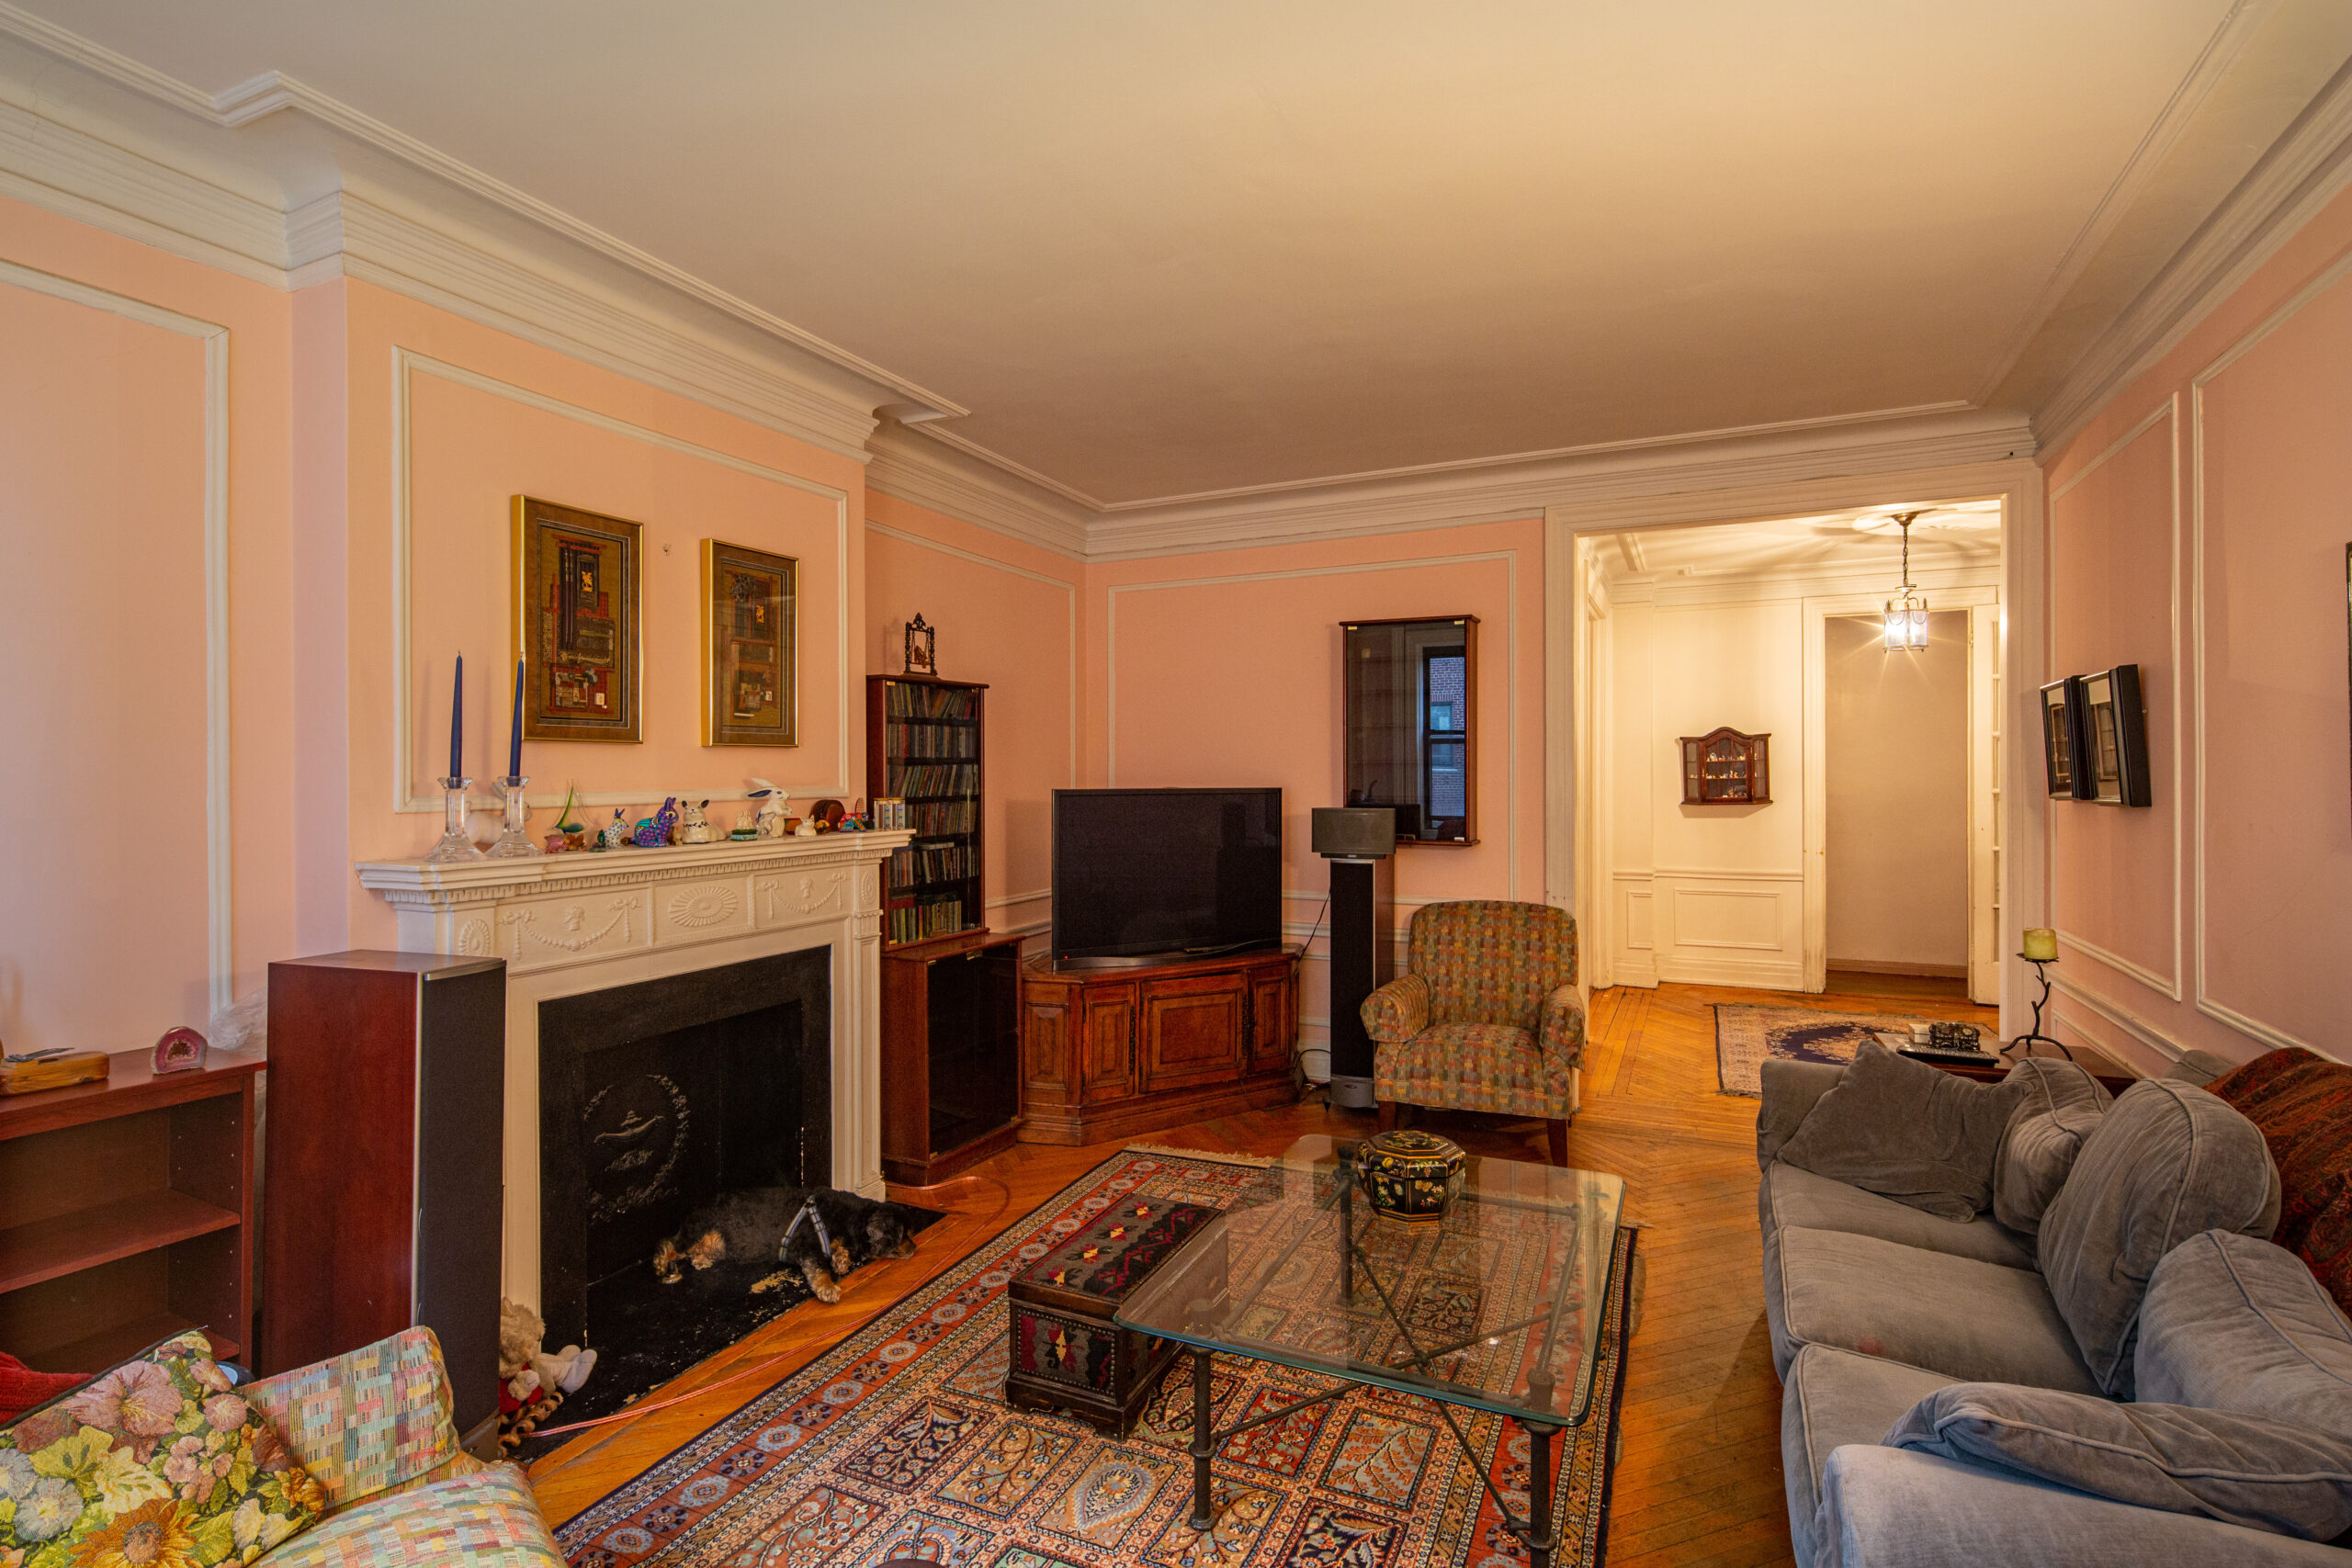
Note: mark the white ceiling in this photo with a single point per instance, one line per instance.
(1964, 536)
(1161, 250)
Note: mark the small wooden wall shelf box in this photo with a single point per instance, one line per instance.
(1725, 767)
(127, 1212)
(1114, 1052)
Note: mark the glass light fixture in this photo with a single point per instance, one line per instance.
(1906, 617)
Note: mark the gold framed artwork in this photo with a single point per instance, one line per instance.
(577, 623)
(751, 688)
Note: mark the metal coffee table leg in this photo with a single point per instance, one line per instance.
(1540, 1538)
(1204, 1443)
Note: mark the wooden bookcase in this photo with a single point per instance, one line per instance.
(924, 745)
(126, 1214)
(951, 1053)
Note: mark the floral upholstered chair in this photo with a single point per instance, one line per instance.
(1487, 1018)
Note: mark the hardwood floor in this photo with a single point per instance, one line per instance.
(1700, 1480)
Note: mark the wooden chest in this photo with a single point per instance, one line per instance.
(1066, 1354)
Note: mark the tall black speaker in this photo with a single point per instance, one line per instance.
(1359, 841)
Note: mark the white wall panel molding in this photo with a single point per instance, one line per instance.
(406, 366)
(2200, 389)
(1070, 592)
(2114, 1014)
(1729, 925)
(1509, 559)
(2303, 170)
(2168, 414)
(220, 904)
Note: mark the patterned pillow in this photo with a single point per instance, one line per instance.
(157, 1462)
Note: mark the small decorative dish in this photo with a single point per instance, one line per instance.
(1410, 1175)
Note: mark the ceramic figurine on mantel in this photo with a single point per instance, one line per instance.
(694, 827)
(514, 842)
(455, 843)
(616, 831)
(771, 820)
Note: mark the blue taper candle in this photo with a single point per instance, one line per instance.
(514, 742)
(457, 720)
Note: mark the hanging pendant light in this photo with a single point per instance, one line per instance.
(1906, 617)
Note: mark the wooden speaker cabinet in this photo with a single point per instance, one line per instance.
(382, 1201)
(951, 1053)
(1111, 1053)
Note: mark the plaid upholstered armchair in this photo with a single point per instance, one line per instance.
(1487, 1018)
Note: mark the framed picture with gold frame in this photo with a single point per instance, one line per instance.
(750, 686)
(577, 623)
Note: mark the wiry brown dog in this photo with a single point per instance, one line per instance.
(820, 1232)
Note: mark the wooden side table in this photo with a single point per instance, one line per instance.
(127, 1212)
(2112, 1075)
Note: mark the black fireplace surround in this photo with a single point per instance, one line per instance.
(657, 1097)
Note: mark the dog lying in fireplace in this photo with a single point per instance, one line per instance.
(821, 1233)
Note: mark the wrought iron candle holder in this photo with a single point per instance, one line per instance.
(2034, 1035)
(514, 841)
(455, 844)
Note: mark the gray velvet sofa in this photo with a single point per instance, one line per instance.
(1875, 1305)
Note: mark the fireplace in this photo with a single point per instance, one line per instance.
(596, 930)
(658, 1097)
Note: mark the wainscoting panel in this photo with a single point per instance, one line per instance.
(1635, 960)
(1728, 927)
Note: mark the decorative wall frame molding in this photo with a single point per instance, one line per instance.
(408, 364)
(220, 929)
(1509, 560)
(1068, 589)
(918, 470)
(2270, 1035)
(2169, 987)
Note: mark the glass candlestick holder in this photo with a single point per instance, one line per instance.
(514, 842)
(455, 844)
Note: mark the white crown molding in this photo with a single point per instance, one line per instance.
(1636, 479)
(905, 462)
(2304, 169)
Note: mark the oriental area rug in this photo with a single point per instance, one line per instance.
(1745, 1035)
(897, 1443)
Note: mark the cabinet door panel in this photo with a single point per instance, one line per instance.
(1044, 1040)
(1109, 1044)
(1192, 1030)
(1272, 1027)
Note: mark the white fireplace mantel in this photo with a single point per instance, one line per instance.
(572, 923)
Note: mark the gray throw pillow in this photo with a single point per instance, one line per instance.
(1908, 1132)
(2231, 1323)
(2243, 1470)
(2164, 1163)
(2063, 1103)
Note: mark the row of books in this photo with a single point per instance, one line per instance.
(927, 737)
(944, 916)
(901, 699)
(930, 819)
(918, 779)
(915, 867)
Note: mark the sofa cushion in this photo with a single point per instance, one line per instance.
(2063, 1103)
(1790, 1089)
(2231, 1323)
(1974, 1321)
(2304, 1104)
(1834, 1397)
(489, 1519)
(2243, 1470)
(1908, 1130)
(158, 1459)
(2165, 1162)
(368, 1420)
(1796, 1197)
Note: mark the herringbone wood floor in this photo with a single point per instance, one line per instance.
(1700, 1481)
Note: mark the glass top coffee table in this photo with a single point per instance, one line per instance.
(1497, 1305)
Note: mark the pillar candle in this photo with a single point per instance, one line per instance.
(458, 721)
(514, 744)
(2041, 945)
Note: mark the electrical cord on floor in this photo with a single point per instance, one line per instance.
(1004, 1201)
(1301, 1084)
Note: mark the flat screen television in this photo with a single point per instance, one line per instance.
(1141, 871)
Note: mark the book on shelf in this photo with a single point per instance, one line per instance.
(920, 781)
(905, 700)
(923, 740)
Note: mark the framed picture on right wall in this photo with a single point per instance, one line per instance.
(2061, 737)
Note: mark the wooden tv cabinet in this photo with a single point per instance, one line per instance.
(1112, 1053)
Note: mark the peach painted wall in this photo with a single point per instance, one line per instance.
(1224, 668)
(106, 936)
(1007, 614)
(447, 422)
(2198, 526)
